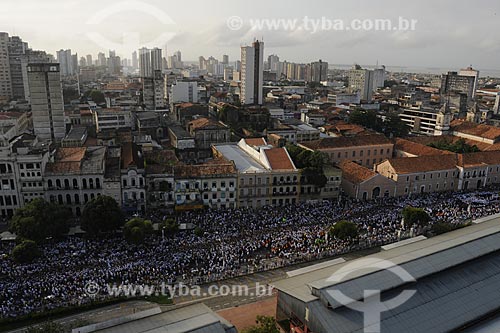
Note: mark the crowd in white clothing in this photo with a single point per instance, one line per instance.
(234, 242)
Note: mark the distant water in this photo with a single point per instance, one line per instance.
(422, 70)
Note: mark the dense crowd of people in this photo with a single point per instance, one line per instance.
(234, 242)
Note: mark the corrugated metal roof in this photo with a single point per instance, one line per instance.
(457, 281)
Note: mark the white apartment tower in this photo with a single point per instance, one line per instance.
(47, 105)
(66, 62)
(361, 80)
(252, 74)
(469, 71)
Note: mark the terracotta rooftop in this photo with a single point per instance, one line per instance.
(131, 156)
(215, 167)
(355, 173)
(73, 154)
(279, 159)
(480, 158)
(256, 142)
(480, 130)
(417, 148)
(205, 122)
(343, 142)
(423, 163)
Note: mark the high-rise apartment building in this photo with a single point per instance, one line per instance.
(47, 105)
(153, 90)
(471, 72)
(65, 62)
(5, 79)
(252, 73)
(453, 82)
(156, 60)
(135, 60)
(273, 63)
(89, 60)
(361, 80)
(379, 77)
(319, 71)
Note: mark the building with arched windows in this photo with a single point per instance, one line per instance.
(75, 176)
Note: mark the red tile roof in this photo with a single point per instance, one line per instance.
(355, 173)
(279, 159)
(343, 142)
(423, 163)
(255, 142)
(480, 130)
(417, 149)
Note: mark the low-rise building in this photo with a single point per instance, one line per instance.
(133, 179)
(362, 183)
(212, 184)
(75, 176)
(266, 175)
(421, 174)
(366, 150)
(207, 132)
(113, 118)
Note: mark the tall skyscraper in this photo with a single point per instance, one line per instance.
(47, 104)
(145, 68)
(17, 51)
(5, 78)
(225, 59)
(273, 63)
(361, 80)
(156, 59)
(153, 91)
(135, 60)
(471, 72)
(378, 77)
(89, 60)
(101, 59)
(178, 54)
(252, 73)
(452, 82)
(66, 62)
(319, 71)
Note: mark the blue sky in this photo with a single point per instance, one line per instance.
(448, 33)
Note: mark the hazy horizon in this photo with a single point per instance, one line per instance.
(449, 34)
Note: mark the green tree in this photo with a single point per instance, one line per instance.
(97, 96)
(25, 252)
(264, 324)
(394, 126)
(416, 216)
(314, 176)
(344, 230)
(171, 226)
(366, 118)
(40, 220)
(198, 231)
(460, 146)
(101, 214)
(136, 230)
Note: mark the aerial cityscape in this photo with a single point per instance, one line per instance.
(270, 167)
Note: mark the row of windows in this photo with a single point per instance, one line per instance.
(361, 153)
(69, 199)
(8, 200)
(86, 183)
(133, 182)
